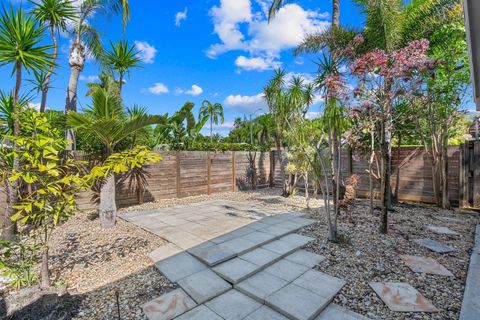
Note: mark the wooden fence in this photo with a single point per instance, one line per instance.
(190, 173)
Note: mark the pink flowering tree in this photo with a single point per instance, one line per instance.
(385, 81)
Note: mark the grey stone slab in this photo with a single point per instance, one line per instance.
(179, 266)
(271, 220)
(303, 222)
(168, 306)
(402, 297)
(198, 249)
(265, 313)
(215, 254)
(305, 258)
(425, 265)
(134, 214)
(223, 238)
(435, 245)
(258, 225)
(277, 231)
(166, 251)
(204, 285)
(297, 303)
(258, 237)
(296, 239)
(442, 230)
(471, 303)
(199, 313)
(320, 283)
(261, 257)
(286, 270)
(287, 244)
(261, 285)
(239, 245)
(336, 312)
(235, 270)
(233, 305)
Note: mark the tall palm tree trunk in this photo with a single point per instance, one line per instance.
(211, 127)
(335, 13)
(9, 226)
(77, 62)
(46, 85)
(108, 207)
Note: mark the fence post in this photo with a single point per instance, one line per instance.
(234, 173)
(476, 174)
(178, 173)
(462, 202)
(208, 172)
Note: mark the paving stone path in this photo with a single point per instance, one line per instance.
(255, 272)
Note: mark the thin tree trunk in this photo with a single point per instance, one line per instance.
(45, 272)
(120, 84)
(307, 195)
(397, 178)
(445, 193)
(384, 180)
(77, 62)
(211, 129)
(46, 85)
(335, 13)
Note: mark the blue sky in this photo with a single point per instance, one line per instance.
(220, 50)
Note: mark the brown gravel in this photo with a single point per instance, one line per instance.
(95, 264)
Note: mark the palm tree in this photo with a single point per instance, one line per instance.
(54, 14)
(20, 39)
(107, 120)
(277, 4)
(86, 36)
(121, 58)
(214, 112)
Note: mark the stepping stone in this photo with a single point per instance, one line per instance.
(305, 258)
(277, 231)
(402, 297)
(425, 265)
(442, 230)
(166, 251)
(204, 285)
(320, 283)
(260, 257)
(214, 254)
(435, 245)
(297, 303)
(233, 305)
(261, 285)
(265, 313)
(258, 225)
(287, 244)
(168, 306)
(239, 245)
(236, 270)
(179, 266)
(198, 249)
(199, 313)
(296, 239)
(258, 237)
(286, 270)
(334, 311)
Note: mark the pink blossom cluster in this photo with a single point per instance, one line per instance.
(335, 86)
(350, 49)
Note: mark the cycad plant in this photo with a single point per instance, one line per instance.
(214, 113)
(54, 14)
(107, 120)
(20, 46)
(121, 57)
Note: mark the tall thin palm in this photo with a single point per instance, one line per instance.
(85, 36)
(20, 45)
(54, 14)
(121, 58)
(214, 112)
(107, 120)
(277, 4)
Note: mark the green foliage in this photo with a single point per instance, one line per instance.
(53, 13)
(121, 58)
(17, 260)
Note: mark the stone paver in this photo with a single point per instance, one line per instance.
(199, 313)
(442, 230)
(320, 283)
(166, 251)
(233, 305)
(265, 313)
(261, 257)
(296, 302)
(214, 255)
(402, 297)
(435, 245)
(425, 265)
(277, 230)
(286, 270)
(180, 266)
(305, 258)
(235, 270)
(287, 244)
(261, 285)
(204, 285)
(239, 245)
(336, 312)
(168, 306)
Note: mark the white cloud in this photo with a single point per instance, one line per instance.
(146, 52)
(158, 88)
(246, 103)
(257, 63)
(35, 106)
(240, 28)
(180, 16)
(194, 91)
(313, 115)
(89, 78)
